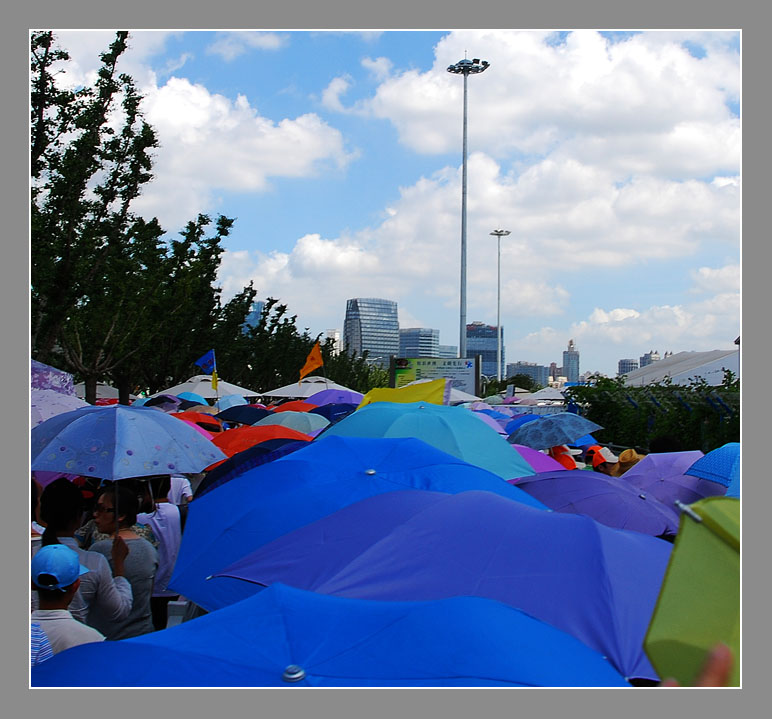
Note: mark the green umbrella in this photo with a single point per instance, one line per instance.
(699, 601)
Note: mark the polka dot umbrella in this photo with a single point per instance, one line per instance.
(119, 442)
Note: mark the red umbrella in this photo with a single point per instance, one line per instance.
(235, 440)
(297, 405)
(206, 421)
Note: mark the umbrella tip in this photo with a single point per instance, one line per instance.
(369, 471)
(293, 673)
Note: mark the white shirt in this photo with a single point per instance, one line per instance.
(63, 630)
(180, 488)
(165, 523)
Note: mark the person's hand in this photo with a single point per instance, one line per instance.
(715, 672)
(119, 552)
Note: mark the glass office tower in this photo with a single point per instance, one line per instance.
(481, 339)
(371, 326)
(571, 363)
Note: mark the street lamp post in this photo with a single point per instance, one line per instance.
(498, 234)
(465, 67)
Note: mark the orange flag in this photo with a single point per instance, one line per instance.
(313, 361)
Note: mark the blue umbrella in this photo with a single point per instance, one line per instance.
(608, 500)
(316, 480)
(596, 583)
(454, 430)
(288, 637)
(301, 421)
(721, 465)
(230, 400)
(193, 397)
(240, 462)
(516, 422)
(117, 442)
(243, 414)
(551, 430)
(166, 402)
(335, 411)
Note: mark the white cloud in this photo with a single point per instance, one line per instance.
(720, 279)
(231, 45)
(331, 94)
(379, 68)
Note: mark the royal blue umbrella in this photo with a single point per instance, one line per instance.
(117, 442)
(288, 637)
(661, 475)
(243, 414)
(720, 465)
(318, 479)
(596, 583)
(608, 500)
(550, 430)
(335, 412)
(516, 422)
(240, 462)
(454, 430)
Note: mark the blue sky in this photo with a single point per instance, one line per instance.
(613, 158)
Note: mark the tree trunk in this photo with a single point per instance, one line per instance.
(91, 389)
(124, 390)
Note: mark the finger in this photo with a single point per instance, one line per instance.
(670, 682)
(717, 668)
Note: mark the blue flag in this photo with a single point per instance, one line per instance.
(206, 362)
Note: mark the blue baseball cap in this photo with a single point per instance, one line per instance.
(56, 567)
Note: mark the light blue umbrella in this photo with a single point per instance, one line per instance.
(289, 637)
(331, 472)
(117, 442)
(454, 430)
(301, 421)
(229, 400)
(721, 465)
(550, 430)
(193, 397)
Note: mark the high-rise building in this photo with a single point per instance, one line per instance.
(481, 339)
(253, 318)
(649, 357)
(627, 365)
(334, 335)
(555, 371)
(419, 342)
(447, 351)
(371, 326)
(540, 374)
(571, 362)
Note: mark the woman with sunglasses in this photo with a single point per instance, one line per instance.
(140, 564)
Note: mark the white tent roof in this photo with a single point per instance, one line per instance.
(548, 393)
(305, 388)
(684, 366)
(104, 391)
(202, 384)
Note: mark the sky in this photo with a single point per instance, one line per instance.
(613, 158)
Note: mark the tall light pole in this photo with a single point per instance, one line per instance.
(465, 67)
(498, 234)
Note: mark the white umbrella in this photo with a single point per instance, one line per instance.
(551, 393)
(103, 391)
(46, 403)
(305, 388)
(202, 384)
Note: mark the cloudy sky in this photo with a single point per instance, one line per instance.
(613, 158)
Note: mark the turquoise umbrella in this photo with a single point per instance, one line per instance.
(454, 430)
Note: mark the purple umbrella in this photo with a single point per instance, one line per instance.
(538, 460)
(662, 476)
(598, 584)
(335, 396)
(492, 423)
(607, 500)
(165, 402)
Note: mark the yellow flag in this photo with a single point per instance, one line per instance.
(436, 392)
(313, 361)
(214, 379)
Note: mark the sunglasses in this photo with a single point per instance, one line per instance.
(103, 510)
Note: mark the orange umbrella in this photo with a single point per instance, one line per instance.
(297, 405)
(207, 421)
(235, 440)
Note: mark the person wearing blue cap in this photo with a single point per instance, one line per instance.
(56, 575)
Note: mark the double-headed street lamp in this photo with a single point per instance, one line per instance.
(498, 234)
(465, 67)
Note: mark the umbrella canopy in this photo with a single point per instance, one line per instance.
(699, 602)
(199, 428)
(661, 475)
(285, 636)
(230, 400)
(548, 393)
(243, 414)
(607, 500)
(519, 421)
(454, 430)
(166, 402)
(43, 376)
(335, 396)
(192, 397)
(275, 498)
(305, 388)
(47, 403)
(301, 421)
(721, 465)
(209, 422)
(494, 399)
(103, 391)
(240, 462)
(553, 429)
(595, 583)
(236, 440)
(201, 384)
(538, 460)
(492, 423)
(334, 412)
(294, 405)
(118, 442)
